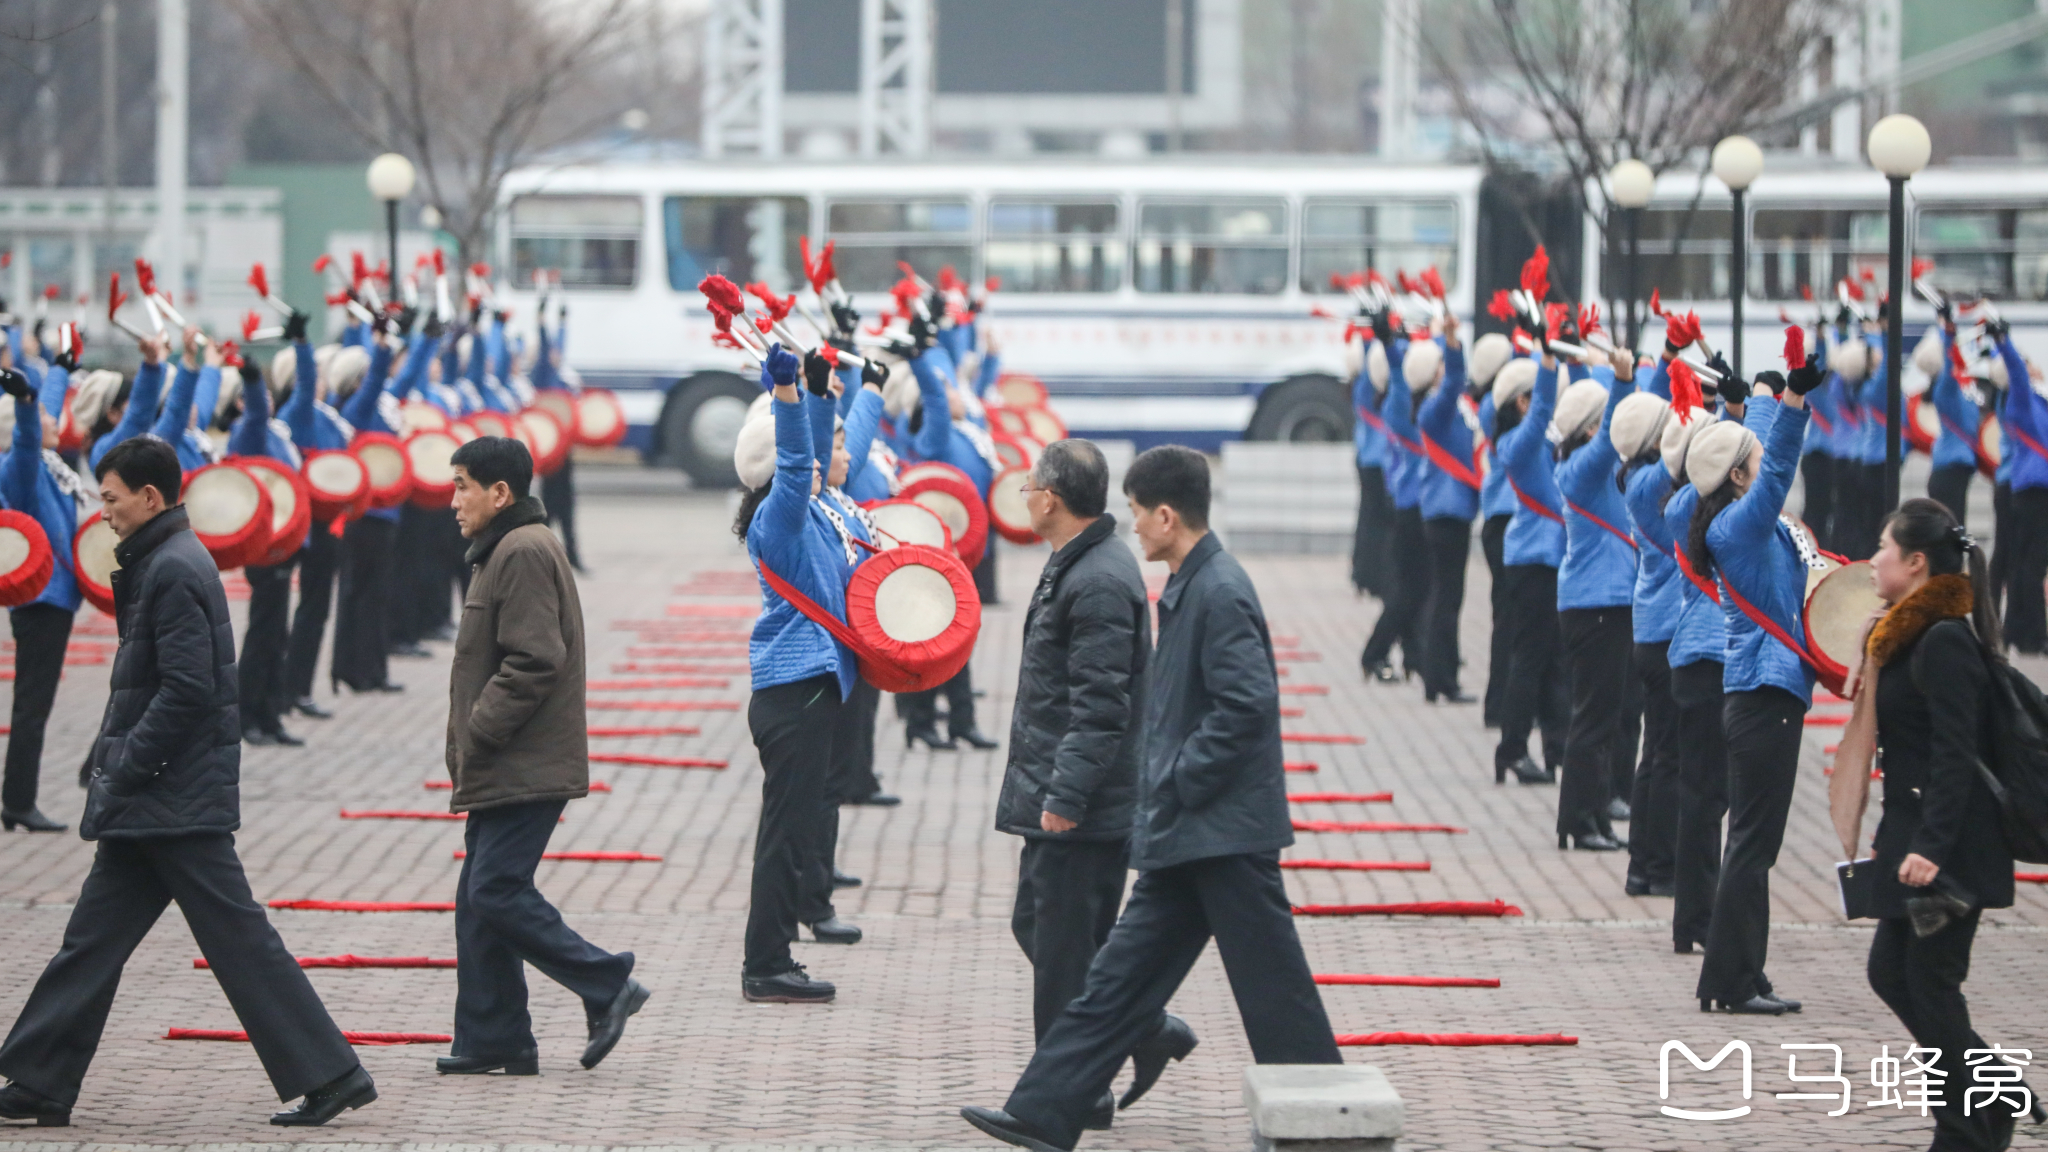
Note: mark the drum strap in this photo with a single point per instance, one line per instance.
(1976, 445)
(1705, 585)
(1372, 418)
(1625, 537)
(1531, 503)
(1763, 621)
(1455, 468)
(838, 628)
(2031, 443)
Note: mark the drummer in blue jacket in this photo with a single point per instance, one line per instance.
(1637, 433)
(1955, 446)
(1537, 692)
(1739, 537)
(1370, 538)
(2024, 419)
(296, 374)
(1496, 508)
(1449, 436)
(262, 685)
(1408, 570)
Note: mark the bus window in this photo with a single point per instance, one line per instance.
(1212, 246)
(1998, 252)
(593, 241)
(1684, 254)
(872, 235)
(1814, 247)
(1347, 236)
(743, 238)
(1054, 245)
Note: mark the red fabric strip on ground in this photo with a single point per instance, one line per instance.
(655, 761)
(364, 906)
(665, 705)
(446, 785)
(1300, 766)
(1320, 738)
(647, 685)
(616, 856)
(669, 730)
(396, 814)
(1304, 689)
(347, 960)
(1449, 1039)
(1340, 798)
(1368, 826)
(366, 1039)
(1417, 908)
(1409, 981)
(1359, 865)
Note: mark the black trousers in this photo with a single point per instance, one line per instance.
(130, 884)
(427, 537)
(2006, 534)
(1597, 642)
(792, 726)
(1450, 546)
(502, 923)
(558, 495)
(1401, 604)
(1763, 728)
(1951, 486)
(1068, 893)
(260, 673)
(921, 709)
(1920, 978)
(1371, 537)
(1171, 915)
(1493, 535)
(985, 572)
(2026, 617)
(849, 768)
(361, 624)
(1859, 509)
(1538, 690)
(1702, 798)
(41, 633)
(1653, 799)
(1817, 478)
(317, 564)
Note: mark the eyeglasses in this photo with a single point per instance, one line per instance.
(1029, 487)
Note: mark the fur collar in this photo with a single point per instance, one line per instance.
(1941, 598)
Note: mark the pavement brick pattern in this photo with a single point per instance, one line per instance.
(934, 1009)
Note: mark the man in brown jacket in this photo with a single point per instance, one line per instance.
(518, 752)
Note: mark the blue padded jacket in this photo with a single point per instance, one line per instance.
(1754, 557)
(1495, 497)
(2026, 418)
(792, 535)
(26, 485)
(1956, 446)
(1442, 422)
(1370, 442)
(1534, 537)
(1657, 597)
(1599, 568)
(1702, 633)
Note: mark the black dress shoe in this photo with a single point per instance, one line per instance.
(1754, 1006)
(409, 650)
(1010, 1130)
(1172, 1040)
(835, 931)
(974, 739)
(1525, 770)
(1594, 841)
(930, 736)
(309, 708)
(1617, 809)
(1790, 1005)
(19, 1103)
(1454, 696)
(329, 1100)
(284, 739)
(877, 800)
(1382, 673)
(258, 738)
(386, 687)
(842, 880)
(1665, 888)
(606, 1028)
(1103, 1116)
(32, 820)
(1684, 947)
(792, 987)
(526, 1063)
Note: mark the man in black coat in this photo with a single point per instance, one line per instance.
(1211, 820)
(164, 805)
(1072, 781)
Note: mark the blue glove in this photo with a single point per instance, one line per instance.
(781, 365)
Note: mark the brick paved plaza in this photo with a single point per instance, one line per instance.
(933, 1010)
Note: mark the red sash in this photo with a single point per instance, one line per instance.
(1769, 625)
(1712, 590)
(1976, 445)
(2029, 441)
(839, 629)
(1827, 426)
(1625, 537)
(1456, 469)
(1379, 425)
(1532, 505)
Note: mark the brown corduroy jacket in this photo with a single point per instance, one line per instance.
(516, 722)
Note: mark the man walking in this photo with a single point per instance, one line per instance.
(163, 805)
(518, 753)
(1211, 820)
(1072, 780)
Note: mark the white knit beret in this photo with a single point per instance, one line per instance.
(1423, 364)
(1376, 366)
(1514, 378)
(1677, 436)
(1993, 368)
(899, 391)
(758, 410)
(1927, 353)
(1850, 359)
(284, 368)
(1715, 451)
(753, 455)
(94, 393)
(1638, 423)
(1354, 360)
(230, 391)
(346, 370)
(1489, 354)
(1577, 410)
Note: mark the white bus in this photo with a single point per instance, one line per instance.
(1165, 300)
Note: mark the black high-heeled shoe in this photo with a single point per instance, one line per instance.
(930, 736)
(1525, 770)
(32, 820)
(1591, 840)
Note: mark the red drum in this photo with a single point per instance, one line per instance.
(1020, 391)
(291, 506)
(547, 438)
(462, 430)
(961, 506)
(1923, 423)
(916, 611)
(433, 472)
(899, 522)
(336, 481)
(1010, 420)
(1008, 451)
(1990, 442)
(915, 472)
(600, 418)
(1045, 426)
(92, 558)
(1838, 601)
(420, 416)
(26, 560)
(1006, 508)
(229, 508)
(557, 402)
(390, 469)
(489, 423)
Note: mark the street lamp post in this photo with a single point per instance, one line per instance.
(390, 178)
(1899, 147)
(1632, 183)
(1737, 162)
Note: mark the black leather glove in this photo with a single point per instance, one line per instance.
(67, 360)
(817, 374)
(15, 383)
(1804, 379)
(1383, 328)
(872, 372)
(1730, 385)
(1773, 380)
(936, 305)
(845, 317)
(476, 313)
(433, 328)
(1997, 330)
(295, 326)
(407, 317)
(922, 334)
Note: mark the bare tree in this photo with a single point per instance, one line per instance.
(467, 89)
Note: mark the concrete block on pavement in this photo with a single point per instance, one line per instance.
(1321, 1108)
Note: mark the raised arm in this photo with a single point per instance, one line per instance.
(862, 421)
(251, 433)
(177, 410)
(297, 412)
(937, 430)
(1758, 509)
(361, 408)
(785, 512)
(141, 410)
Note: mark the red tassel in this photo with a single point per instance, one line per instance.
(1408, 981)
(1656, 303)
(1686, 397)
(1354, 826)
(1499, 308)
(1358, 865)
(1795, 347)
(655, 761)
(259, 281)
(1536, 274)
(1420, 908)
(1449, 1039)
(1433, 281)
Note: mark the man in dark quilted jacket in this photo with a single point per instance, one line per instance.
(164, 805)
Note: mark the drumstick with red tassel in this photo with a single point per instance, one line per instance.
(116, 298)
(260, 281)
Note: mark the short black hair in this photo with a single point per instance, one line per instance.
(1075, 471)
(490, 459)
(143, 461)
(1174, 475)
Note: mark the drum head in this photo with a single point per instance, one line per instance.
(1009, 420)
(222, 501)
(430, 453)
(422, 417)
(901, 522)
(558, 404)
(1836, 608)
(914, 603)
(337, 477)
(600, 419)
(948, 507)
(916, 472)
(284, 497)
(462, 430)
(1008, 453)
(15, 549)
(1007, 507)
(92, 554)
(916, 614)
(547, 440)
(1045, 426)
(1020, 391)
(489, 423)
(385, 463)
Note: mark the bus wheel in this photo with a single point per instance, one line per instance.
(1304, 408)
(702, 423)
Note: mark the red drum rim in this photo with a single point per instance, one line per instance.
(365, 446)
(913, 665)
(29, 575)
(549, 457)
(99, 594)
(1843, 634)
(1020, 390)
(1044, 420)
(913, 473)
(1008, 420)
(557, 403)
(1990, 442)
(420, 416)
(288, 525)
(1919, 413)
(244, 543)
(463, 431)
(327, 505)
(969, 544)
(892, 542)
(1011, 528)
(600, 418)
